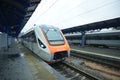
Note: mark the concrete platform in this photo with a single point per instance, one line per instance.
(40, 69)
(15, 66)
(114, 53)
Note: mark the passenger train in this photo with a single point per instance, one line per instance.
(106, 39)
(48, 42)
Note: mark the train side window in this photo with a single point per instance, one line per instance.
(33, 37)
(118, 37)
(111, 37)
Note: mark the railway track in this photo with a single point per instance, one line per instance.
(98, 59)
(72, 72)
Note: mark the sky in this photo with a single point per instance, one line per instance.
(70, 13)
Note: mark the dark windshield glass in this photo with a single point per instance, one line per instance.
(54, 36)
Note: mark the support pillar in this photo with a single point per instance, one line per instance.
(6, 28)
(83, 39)
(7, 38)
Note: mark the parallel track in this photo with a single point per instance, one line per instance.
(71, 72)
(98, 59)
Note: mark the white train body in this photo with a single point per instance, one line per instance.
(47, 42)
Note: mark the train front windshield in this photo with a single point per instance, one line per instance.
(54, 36)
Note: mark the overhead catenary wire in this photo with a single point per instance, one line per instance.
(80, 4)
(47, 9)
(33, 21)
(91, 10)
(64, 18)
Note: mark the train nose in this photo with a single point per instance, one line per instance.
(60, 55)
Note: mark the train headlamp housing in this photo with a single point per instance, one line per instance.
(41, 44)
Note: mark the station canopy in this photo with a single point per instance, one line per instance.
(14, 14)
(92, 26)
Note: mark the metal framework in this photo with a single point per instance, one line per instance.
(14, 15)
(92, 26)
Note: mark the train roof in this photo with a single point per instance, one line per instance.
(46, 27)
(27, 32)
(106, 32)
(97, 33)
